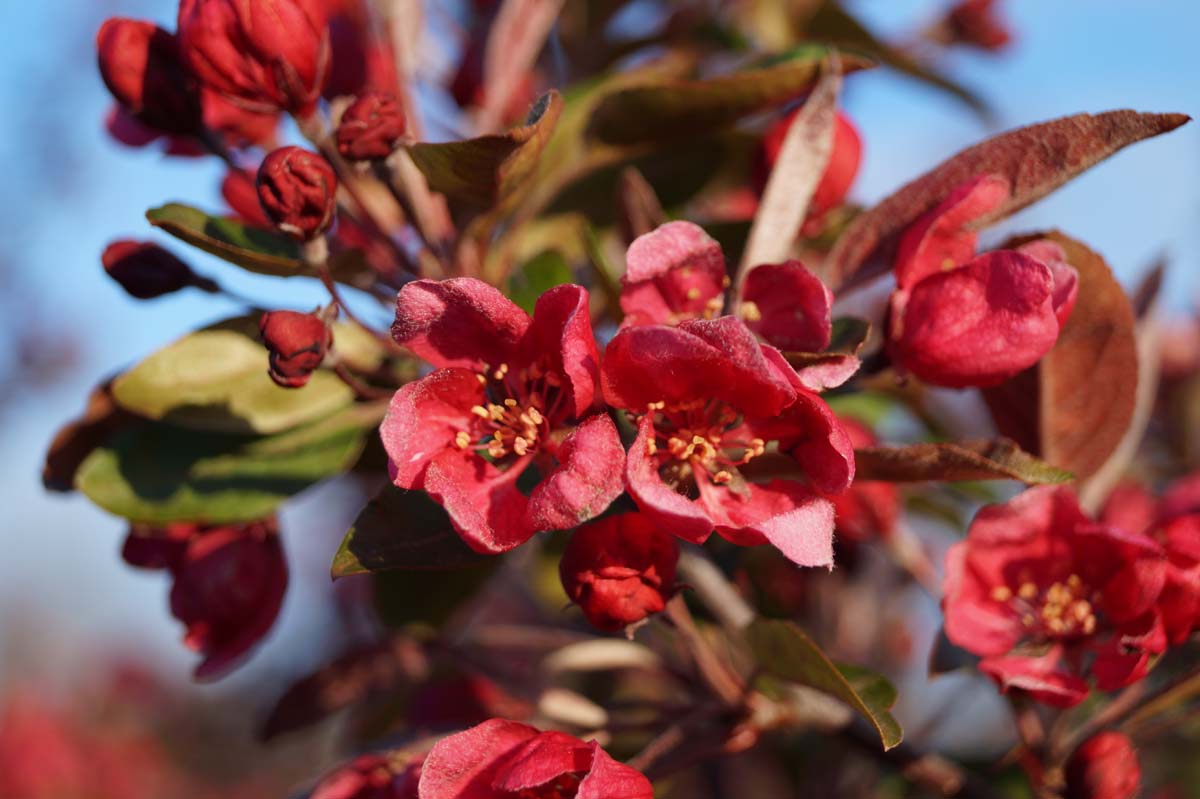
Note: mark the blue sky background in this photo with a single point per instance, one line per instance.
(61, 556)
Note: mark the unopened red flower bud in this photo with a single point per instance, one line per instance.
(977, 24)
(297, 189)
(297, 343)
(619, 570)
(146, 270)
(269, 54)
(140, 64)
(370, 127)
(1105, 766)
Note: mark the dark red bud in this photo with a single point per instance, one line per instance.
(370, 128)
(141, 66)
(146, 270)
(297, 343)
(1105, 766)
(975, 23)
(266, 54)
(619, 570)
(297, 189)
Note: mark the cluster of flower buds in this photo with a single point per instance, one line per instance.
(229, 583)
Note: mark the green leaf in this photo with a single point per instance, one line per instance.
(999, 459)
(542, 273)
(673, 109)
(157, 473)
(430, 597)
(401, 529)
(488, 169)
(832, 24)
(785, 651)
(217, 380)
(261, 251)
(849, 335)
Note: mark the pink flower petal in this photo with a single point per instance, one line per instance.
(562, 331)
(793, 308)
(463, 765)
(423, 418)
(782, 513)
(590, 475)
(609, 779)
(976, 325)
(458, 322)
(674, 272)
(942, 239)
(670, 510)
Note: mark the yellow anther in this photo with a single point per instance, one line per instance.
(651, 446)
(500, 372)
(1002, 593)
(750, 312)
(480, 411)
(510, 402)
(1089, 625)
(462, 439)
(1027, 591)
(520, 446)
(482, 379)
(536, 416)
(722, 477)
(725, 281)
(496, 449)
(693, 293)
(1074, 582)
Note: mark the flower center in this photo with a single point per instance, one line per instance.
(1063, 610)
(518, 414)
(700, 435)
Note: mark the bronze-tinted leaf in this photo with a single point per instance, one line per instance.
(830, 23)
(353, 677)
(487, 169)
(401, 529)
(678, 109)
(261, 251)
(784, 650)
(967, 460)
(1079, 400)
(1035, 160)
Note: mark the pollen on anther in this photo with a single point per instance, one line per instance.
(750, 312)
(463, 439)
(1002, 593)
(722, 477)
(480, 411)
(1027, 591)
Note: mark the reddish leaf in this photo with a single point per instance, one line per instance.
(965, 460)
(1035, 160)
(1078, 402)
(351, 678)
